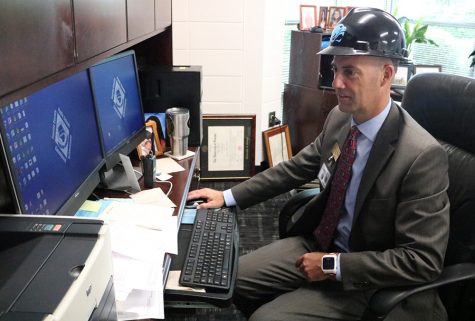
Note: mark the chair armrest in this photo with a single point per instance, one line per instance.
(383, 301)
(293, 208)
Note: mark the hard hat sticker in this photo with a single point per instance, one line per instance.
(338, 33)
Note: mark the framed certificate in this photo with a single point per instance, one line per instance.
(227, 149)
(277, 142)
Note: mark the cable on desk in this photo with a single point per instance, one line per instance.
(167, 182)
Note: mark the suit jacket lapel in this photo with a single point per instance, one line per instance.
(381, 151)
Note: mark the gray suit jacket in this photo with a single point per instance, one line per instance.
(401, 221)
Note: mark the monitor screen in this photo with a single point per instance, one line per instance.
(52, 144)
(118, 104)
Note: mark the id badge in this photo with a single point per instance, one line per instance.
(324, 176)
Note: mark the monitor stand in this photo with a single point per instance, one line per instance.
(122, 177)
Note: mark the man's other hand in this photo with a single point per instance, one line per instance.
(310, 264)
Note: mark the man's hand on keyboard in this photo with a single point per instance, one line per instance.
(214, 198)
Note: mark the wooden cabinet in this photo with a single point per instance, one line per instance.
(163, 14)
(99, 26)
(42, 42)
(36, 39)
(305, 111)
(305, 105)
(140, 18)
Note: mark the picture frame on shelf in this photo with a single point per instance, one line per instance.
(419, 69)
(322, 17)
(335, 14)
(277, 144)
(402, 76)
(227, 149)
(152, 142)
(308, 17)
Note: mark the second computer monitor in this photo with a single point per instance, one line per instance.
(118, 104)
(51, 145)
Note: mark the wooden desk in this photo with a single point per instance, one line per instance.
(181, 184)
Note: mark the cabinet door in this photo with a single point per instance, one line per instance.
(100, 26)
(305, 110)
(304, 64)
(140, 18)
(163, 14)
(36, 40)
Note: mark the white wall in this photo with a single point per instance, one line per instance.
(239, 46)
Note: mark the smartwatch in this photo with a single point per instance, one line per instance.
(329, 263)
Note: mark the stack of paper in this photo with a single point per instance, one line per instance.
(140, 237)
(142, 230)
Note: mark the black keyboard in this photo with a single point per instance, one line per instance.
(209, 260)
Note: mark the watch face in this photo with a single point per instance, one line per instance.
(328, 263)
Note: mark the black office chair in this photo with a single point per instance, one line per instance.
(445, 106)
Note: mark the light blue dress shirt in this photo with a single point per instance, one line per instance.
(369, 129)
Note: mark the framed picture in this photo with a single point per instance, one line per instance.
(322, 17)
(277, 142)
(402, 77)
(419, 69)
(335, 14)
(227, 149)
(152, 142)
(308, 17)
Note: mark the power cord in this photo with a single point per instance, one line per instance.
(166, 182)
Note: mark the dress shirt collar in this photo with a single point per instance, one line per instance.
(371, 127)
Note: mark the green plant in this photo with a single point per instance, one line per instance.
(415, 32)
(473, 59)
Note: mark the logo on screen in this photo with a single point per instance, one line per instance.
(62, 135)
(118, 97)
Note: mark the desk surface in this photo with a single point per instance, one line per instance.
(181, 184)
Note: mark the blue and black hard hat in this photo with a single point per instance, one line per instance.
(367, 32)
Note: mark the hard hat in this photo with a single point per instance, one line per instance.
(367, 32)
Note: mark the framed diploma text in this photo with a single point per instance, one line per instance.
(227, 149)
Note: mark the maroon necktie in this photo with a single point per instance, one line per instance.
(331, 215)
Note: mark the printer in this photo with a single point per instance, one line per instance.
(55, 268)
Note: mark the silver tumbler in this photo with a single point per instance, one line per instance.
(178, 129)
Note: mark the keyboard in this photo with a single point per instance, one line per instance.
(209, 259)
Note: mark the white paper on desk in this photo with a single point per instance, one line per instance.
(132, 274)
(141, 304)
(141, 243)
(168, 165)
(154, 196)
(149, 216)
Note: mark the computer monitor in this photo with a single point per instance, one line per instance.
(51, 146)
(118, 103)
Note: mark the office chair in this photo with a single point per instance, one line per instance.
(445, 106)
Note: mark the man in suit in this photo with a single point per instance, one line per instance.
(388, 226)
